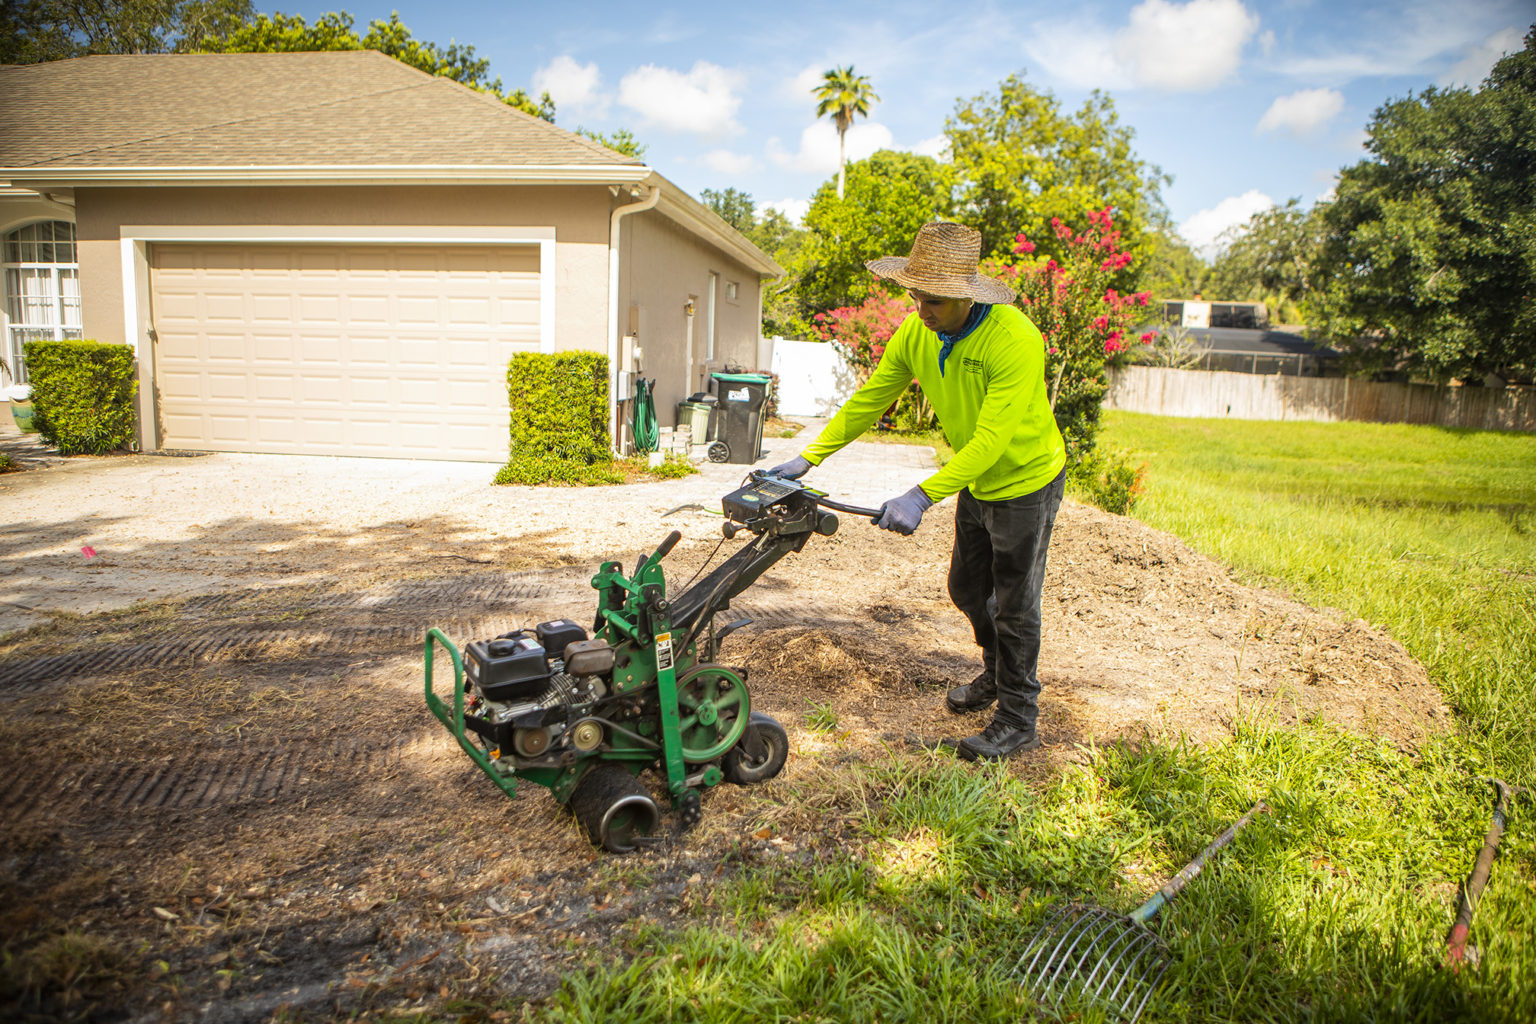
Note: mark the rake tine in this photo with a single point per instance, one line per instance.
(1132, 943)
(1150, 989)
(1132, 972)
(1083, 924)
(1065, 933)
(1107, 923)
(1121, 937)
(1043, 936)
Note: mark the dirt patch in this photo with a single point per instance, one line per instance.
(235, 801)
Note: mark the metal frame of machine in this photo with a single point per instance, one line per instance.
(583, 715)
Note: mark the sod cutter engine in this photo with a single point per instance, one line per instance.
(584, 715)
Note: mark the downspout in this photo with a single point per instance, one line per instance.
(618, 214)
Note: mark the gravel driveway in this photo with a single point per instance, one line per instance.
(93, 533)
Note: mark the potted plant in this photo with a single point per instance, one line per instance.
(18, 398)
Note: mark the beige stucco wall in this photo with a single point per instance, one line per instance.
(663, 268)
(579, 216)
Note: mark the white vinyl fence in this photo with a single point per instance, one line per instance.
(1246, 396)
(814, 380)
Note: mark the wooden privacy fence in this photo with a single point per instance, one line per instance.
(1246, 396)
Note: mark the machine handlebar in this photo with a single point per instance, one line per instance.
(853, 510)
(667, 545)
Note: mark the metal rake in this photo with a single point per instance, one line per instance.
(1111, 958)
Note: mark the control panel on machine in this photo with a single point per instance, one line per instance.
(759, 496)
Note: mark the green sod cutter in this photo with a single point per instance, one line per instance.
(585, 715)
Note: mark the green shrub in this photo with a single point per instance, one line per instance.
(559, 404)
(82, 395)
(672, 467)
(1106, 478)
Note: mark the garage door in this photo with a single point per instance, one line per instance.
(394, 351)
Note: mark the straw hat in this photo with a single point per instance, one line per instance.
(943, 262)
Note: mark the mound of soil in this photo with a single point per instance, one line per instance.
(1141, 634)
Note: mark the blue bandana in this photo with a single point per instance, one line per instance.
(978, 312)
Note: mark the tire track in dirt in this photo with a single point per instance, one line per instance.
(230, 775)
(23, 675)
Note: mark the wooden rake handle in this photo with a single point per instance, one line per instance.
(1456, 942)
(1145, 912)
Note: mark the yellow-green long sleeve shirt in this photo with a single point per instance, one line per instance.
(991, 401)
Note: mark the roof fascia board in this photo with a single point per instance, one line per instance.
(39, 179)
(702, 221)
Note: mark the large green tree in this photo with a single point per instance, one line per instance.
(1269, 258)
(37, 30)
(1429, 260)
(842, 96)
(1167, 267)
(283, 33)
(620, 140)
(889, 196)
(1021, 161)
(734, 206)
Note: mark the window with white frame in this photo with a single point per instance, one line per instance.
(42, 287)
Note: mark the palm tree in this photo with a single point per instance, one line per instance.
(843, 94)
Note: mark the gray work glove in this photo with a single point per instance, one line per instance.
(904, 513)
(794, 469)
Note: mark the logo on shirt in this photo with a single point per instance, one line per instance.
(972, 365)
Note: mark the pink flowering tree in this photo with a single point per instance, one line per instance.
(860, 333)
(1088, 326)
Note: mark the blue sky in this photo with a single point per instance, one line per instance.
(1243, 102)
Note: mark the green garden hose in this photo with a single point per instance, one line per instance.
(643, 417)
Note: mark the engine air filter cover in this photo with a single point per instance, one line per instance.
(510, 667)
(557, 635)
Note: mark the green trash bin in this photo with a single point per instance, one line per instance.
(739, 419)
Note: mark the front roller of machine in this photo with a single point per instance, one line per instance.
(585, 713)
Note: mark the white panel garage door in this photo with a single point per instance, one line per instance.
(394, 351)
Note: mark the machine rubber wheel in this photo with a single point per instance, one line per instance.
(614, 808)
(719, 451)
(741, 768)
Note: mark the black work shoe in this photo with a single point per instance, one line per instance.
(973, 696)
(999, 741)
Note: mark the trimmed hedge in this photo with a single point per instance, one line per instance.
(559, 404)
(82, 395)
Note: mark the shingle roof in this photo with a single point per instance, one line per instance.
(333, 109)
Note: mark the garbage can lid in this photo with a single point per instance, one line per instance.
(743, 378)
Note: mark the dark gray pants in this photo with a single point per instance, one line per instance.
(996, 573)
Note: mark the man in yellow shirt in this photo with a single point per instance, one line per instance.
(981, 364)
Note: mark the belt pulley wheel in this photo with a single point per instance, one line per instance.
(713, 710)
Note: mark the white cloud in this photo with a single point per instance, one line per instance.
(1163, 45)
(726, 162)
(936, 147)
(1182, 47)
(1479, 58)
(818, 146)
(800, 88)
(574, 87)
(794, 209)
(1203, 229)
(1302, 113)
(701, 101)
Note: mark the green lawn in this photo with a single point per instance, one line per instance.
(1334, 907)
(1427, 532)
